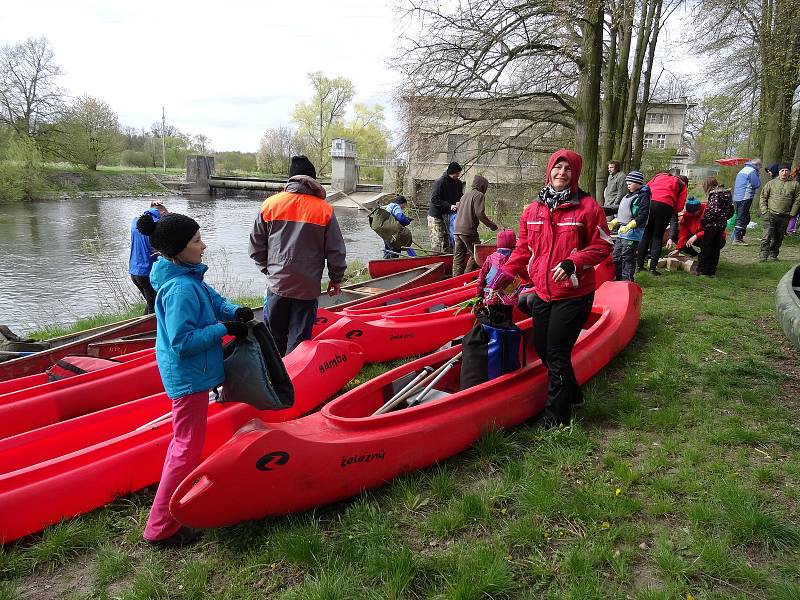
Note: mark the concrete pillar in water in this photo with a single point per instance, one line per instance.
(198, 170)
(344, 172)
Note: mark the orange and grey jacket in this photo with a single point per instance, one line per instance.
(294, 234)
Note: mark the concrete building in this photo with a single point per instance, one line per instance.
(506, 143)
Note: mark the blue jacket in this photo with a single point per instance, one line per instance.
(747, 182)
(188, 311)
(142, 256)
(397, 212)
(634, 206)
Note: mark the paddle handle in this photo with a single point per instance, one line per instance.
(433, 375)
(398, 397)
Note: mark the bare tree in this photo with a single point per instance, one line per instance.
(275, 149)
(29, 92)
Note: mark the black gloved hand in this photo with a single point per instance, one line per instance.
(568, 266)
(244, 314)
(237, 328)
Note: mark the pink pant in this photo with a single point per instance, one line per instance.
(189, 415)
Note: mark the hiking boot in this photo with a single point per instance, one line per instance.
(773, 258)
(739, 243)
(185, 536)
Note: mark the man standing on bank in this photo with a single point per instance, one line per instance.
(616, 188)
(143, 257)
(294, 235)
(445, 193)
(471, 212)
(744, 192)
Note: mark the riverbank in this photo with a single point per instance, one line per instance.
(679, 479)
(104, 183)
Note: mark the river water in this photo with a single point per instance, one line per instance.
(65, 259)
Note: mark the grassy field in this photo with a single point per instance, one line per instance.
(680, 478)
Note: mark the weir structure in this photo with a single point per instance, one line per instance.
(344, 188)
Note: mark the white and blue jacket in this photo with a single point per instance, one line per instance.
(188, 314)
(747, 182)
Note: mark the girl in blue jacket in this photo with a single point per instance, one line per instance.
(189, 356)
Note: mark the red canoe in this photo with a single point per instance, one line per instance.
(386, 266)
(70, 468)
(275, 469)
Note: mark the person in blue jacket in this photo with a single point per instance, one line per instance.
(142, 257)
(744, 192)
(188, 354)
(396, 208)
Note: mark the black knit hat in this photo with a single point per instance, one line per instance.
(170, 234)
(454, 168)
(786, 166)
(302, 166)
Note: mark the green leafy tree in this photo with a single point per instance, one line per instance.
(318, 118)
(21, 169)
(716, 128)
(89, 133)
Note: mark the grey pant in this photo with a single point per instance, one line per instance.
(774, 231)
(465, 247)
(624, 257)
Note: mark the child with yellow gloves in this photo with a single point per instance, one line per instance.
(631, 219)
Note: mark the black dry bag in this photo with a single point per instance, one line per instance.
(490, 349)
(255, 373)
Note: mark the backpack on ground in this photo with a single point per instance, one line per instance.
(489, 350)
(255, 373)
(718, 210)
(390, 229)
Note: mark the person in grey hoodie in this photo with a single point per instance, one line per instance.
(471, 212)
(616, 188)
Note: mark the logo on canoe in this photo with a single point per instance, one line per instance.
(333, 363)
(401, 336)
(322, 320)
(268, 462)
(363, 458)
(353, 333)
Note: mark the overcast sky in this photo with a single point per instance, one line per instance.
(230, 69)
(227, 69)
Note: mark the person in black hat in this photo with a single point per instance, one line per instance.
(192, 319)
(295, 234)
(780, 201)
(445, 193)
(142, 257)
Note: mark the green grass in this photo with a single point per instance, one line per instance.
(679, 478)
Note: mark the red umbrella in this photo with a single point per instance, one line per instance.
(732, 162)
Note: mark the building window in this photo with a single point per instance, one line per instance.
(651, 117)
(648, 140)
(661, 141)
(664, 119)
(518, 153)
(457, 148)
(487, 149)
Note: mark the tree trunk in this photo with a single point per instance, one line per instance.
(645, 24)
(638, 144)
(587, 117)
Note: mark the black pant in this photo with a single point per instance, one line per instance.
(657, 223)
(142, 282)
(774, 232)
(556, 326)
(624, 257)
(710, 245)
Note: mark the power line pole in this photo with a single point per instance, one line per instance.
(163, 138)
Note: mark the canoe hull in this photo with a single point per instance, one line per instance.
(787, 305)
(381, 267)
(271, 470)
(71, 468)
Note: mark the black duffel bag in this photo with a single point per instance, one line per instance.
(490, 349)
(255, 373)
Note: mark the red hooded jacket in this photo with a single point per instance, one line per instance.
(669, 190)
(689, 225)
(575, 230)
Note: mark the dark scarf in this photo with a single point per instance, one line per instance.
(553, 198)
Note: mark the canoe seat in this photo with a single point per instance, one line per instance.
(368, 290)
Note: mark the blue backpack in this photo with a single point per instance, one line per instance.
(489, 350)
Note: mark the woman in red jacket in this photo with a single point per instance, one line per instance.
(562, 235)
(667, 197)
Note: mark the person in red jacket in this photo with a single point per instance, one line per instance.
(667, 198)
(563, 234)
